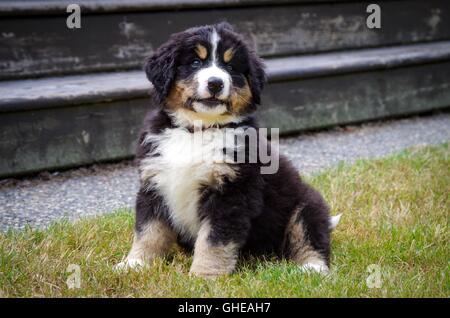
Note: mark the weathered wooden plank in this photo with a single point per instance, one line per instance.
(38, 46)
(57, 92)
(27, 7)
(32, 94)
(70, 136)
(326, 101)
(328, 64)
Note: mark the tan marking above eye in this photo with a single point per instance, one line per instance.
(201, 51)
(228, 55)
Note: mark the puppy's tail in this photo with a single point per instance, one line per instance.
(334, 221)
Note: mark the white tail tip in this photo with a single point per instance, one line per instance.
(334, 221)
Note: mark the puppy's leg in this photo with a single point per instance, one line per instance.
(213, 258)
(308, 236)
(153, 235)
(226, 212)
(153, 241)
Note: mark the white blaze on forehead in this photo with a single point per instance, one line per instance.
(213, 70)
(214, 44)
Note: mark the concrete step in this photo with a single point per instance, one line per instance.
(61, 122)
(117, 35)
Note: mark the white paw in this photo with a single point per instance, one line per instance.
(315, 267)
(130, 263)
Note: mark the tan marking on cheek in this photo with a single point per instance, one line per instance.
(201, 51)
(180, 94)
(228, 55)
(240, 98)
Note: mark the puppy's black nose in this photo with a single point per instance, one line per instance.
(215, 85)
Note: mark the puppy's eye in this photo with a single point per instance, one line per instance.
(196, 63)
(229, 68)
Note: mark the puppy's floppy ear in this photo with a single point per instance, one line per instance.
(160, 68)
(256, 76)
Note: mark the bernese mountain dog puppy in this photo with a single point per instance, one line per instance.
(207, 82)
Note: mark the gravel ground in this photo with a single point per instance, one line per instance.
(103, 188)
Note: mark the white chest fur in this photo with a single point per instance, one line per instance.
(185, 163)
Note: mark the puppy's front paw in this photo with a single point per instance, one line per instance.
(315, 268)
(130, 263)
(202, 267)
(205, 270)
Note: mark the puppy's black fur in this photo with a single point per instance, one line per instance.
(261, 214)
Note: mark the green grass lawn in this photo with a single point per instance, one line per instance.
(395, 224)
